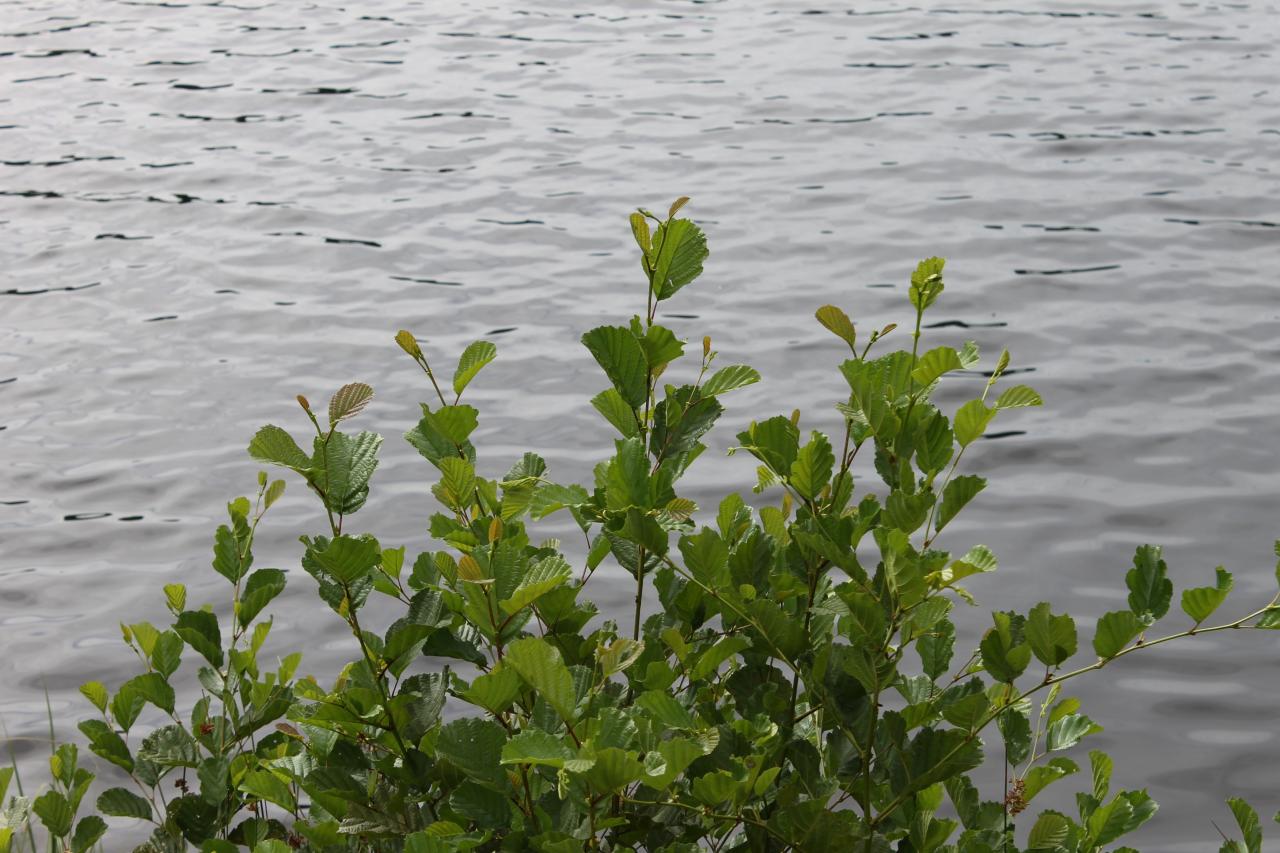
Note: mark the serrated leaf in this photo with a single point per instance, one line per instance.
(613, 770)
(1048, 832)
(1150, 590)
(1115, 631)
(96, 693)
(729, 378)
(475, 747)
(1200, 602)
(88, 830)
(640, 230)
(1040, 777)
(838, 323)
(273, 493)
(811, 470)
(934, 364)
(120, 802)
(540, 665)
(542, 577)
(617, 412)
(680, 248)
(616, 350)
(1005, 654)
(926, 282)
(54, 812)
(457, 486)
(175, 594)
(956, 495)
(349, 558)
(346, 463)
(263, 586)
(349, 401)
(667, 710)
(170, 746)
(471, 362)
(1052, 638)
(273, 445)
(1068, 731)
(536, 747)
(1018, 397)
(1247, 820)
(971, 421)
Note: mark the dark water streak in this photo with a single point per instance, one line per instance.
(209, 207)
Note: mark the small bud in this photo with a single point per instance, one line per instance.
(795, 417)
(706, 346)
(495, 530)
(887, 329)
(262, 479)
(302, 401)
(408, 343)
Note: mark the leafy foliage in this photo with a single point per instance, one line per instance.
(765, 702)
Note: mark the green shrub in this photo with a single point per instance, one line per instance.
(797, 690)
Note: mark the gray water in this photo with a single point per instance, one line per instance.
(208, 208)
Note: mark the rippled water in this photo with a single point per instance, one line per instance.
(208, 208)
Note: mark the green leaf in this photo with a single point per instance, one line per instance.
(347, 462)
(926, 283)
(472, 361)
(1004, 653)
(170, 746)
(838, 323)
(957, 493)
(1109, 822)
(536, 747)
(494, 691)
(262, 586)
(934, 444)
(1100, 769)
(349, 401)
(152, 687)
(1041, 776)
(540, 665)
(971, 421)
(617, 412)
(667, 710)
(680, 248)
(1115, 631)
(1048, 832)
(1150, 591)
(474, 746)
(1052, 638)
(660, 345)
(614, 769)
(616, 349)
(349, 558)
(1068, 731)
(199, 630)
(1247, 820)
(54, 812)
(934, 364)
(775, 442)
(907, 512)
(96, 693)
(273, 445)
(640, 230)
(544, 576)
(812, 469)
(88, 830)
(1018, 397)
(120, 802)
(266, 785)
(457, 486)
(1200, 602)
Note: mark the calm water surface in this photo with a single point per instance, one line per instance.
(208, 208)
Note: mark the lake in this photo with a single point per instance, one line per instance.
(208, 208)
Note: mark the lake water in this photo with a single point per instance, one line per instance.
(208, 208)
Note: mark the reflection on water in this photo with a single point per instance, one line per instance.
(210, 207)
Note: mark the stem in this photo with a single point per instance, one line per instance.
(373, 671)
(635, 629)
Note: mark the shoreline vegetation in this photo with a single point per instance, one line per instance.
(798, 689)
